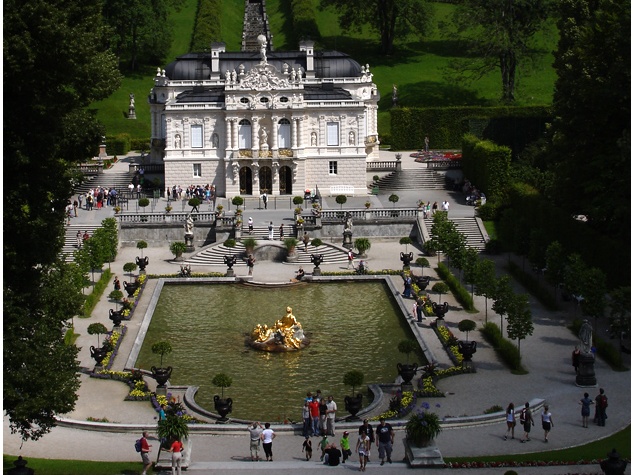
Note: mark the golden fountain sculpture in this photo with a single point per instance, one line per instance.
(286, 334)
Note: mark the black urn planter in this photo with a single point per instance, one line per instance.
(422, 282)
(440, 309)
(407, 371)
(406, 258)
(116, 317)
(223, 407)
(142, 262)
(467, 349)
(98, 354)
(353, 405)
(130, 288)
(161, 375)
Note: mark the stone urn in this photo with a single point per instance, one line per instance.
(161, 375)
(98, 354)
(440, 309)
(223, 407)
(407, 371)
(467, 349)
(317, 259)
(116, 317)
(130, 288)
(353, 405)
(406, 258)
(230, 260)
(142, 262)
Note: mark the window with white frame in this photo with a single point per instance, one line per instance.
(332, 134)
(332, 167)
(198, 170)
(197, 136)
(284, 134)
(244, 134)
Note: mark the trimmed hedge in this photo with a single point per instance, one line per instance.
(462, 295)
(93, 298)
(503, 347)
(119, 144)
(511, 126)
(534, 286)
(487, 165)
(207, 28)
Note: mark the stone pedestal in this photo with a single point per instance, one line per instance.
(347, 239)
(316, 271)
(230, 273)
(586, 377)
(132, 113)
(429, 456)
(102, 151)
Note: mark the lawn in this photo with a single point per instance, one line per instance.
(419, 67)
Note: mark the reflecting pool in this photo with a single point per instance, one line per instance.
(351, 325)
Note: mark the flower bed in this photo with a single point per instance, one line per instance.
(436, 155)
(172, 405)
(139, 390)
(129, 306)
(537, 463)
(450, 342)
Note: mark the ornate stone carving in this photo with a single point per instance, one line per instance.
(264, 77)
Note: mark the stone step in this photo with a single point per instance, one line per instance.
(469, 228)
(118, 181)
(70, 238)
(412, 178)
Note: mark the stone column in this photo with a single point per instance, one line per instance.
(228, 141)
(234, 125)
(274, 131)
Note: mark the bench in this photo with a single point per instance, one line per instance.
(342, 190)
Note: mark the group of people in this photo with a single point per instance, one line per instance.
(96, 198)
(429, 209)
(318, 415)
(81, 238)
(206, 193)
(176, 449)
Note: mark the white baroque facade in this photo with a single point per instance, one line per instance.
(274, 122)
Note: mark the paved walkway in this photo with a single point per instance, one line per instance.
(546, 354)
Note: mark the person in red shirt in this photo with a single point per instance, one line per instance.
(145, 453)
(314, 414)
(176, 449)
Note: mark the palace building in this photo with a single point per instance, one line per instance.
(260, 121)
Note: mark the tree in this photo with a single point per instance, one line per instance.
(486, 283)
(97, 329)
(55, 64)
(141, 245)
(341, 200)
(470, 264)
(440, 288)
(222, 381)
(237, 201)
(95, 254)
(390, 18)
(129, 267)
(503, 299)
(592, 114)
(353, 378)
(393, 199)
(407, 347)
(466, 326)
(519, 319)
(555, 264)
(405, 241)
(594, 290)
(422, 262)
(498, 35)
(162, 348)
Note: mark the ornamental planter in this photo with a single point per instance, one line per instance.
(116, 317)
(407, 371)
(353, 405)
(130, 288)
(161, 375)
(467, 349)
(440, 310)
(223, 407)
(98, 354)
(142, 262)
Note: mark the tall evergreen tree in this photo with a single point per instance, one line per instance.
(55, 65)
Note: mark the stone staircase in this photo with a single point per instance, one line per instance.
(118, 180)
(70, 238)
(469, 228)
(214, 255)
(409, 179)
(255, 23)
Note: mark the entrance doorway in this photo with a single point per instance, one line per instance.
(266, 180)
(286, 180)
(246, 181)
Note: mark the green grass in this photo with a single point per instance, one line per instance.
(418, 66)
(491, 229)
(621, 441)
(78, 467)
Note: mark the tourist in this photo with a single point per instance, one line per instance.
(331, 411)
(79, 239)
(306, 240)
(281, 228)
(350, 258)
(314, 414)
(299, 275)
(407, 286)
(271, 231)
(255, 431)
(80, 199)
(434, 208)
(419, 310)
(367, 428)
(250, 263)
(176, 450)
(75, 206)
(576, 355)
(345, 446)
(267, 437)
(250, 223)
(363, 448)
(306, 419)
(445, 206)
(526, 419)
(601, 405)
(265, 200)
(307, 447)
(116, 284)
(161, 412)
(585, 409)
(384, 440)
(332, 456)
(145, 453)
(323, 410)
(510, 421)
(86, 236)
(323, 445)
(318, 395)
(547, 422)
(309, 397)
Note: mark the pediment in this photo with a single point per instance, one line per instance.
(264, 77)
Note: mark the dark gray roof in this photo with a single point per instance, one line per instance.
(315, 93)
(207, 94)
(197, 66)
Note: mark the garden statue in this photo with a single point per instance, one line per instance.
(189, 233)
(585, 335)
(131, 108)
(347, 231)
(286, 334)
(586, 376)
(316, 259)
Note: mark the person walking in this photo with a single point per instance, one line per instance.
(510, 421)
(331, 412)
(145, 453)
(255, 431)
(547, 422)
(434, 208)
(602, 404)
(350, 258)
(526, 419)
(250, 263)
(116, 284)
(384, 440)
(367, 428)
(426, 143)
(585, 409)
(281, 229)
(271, 231)
(363, 449)
(176, 450)
(79, 239)
(307, 448)
(345, 446)
(576, 355)
(250, 223)
(305, 240)
(267, 437)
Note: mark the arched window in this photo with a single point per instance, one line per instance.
(244, 134)
(284, 134)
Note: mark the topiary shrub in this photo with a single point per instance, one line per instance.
(230, 243)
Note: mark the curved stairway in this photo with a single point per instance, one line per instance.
(469, 228)
(413, 179)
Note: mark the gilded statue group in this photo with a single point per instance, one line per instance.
(286, 334)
